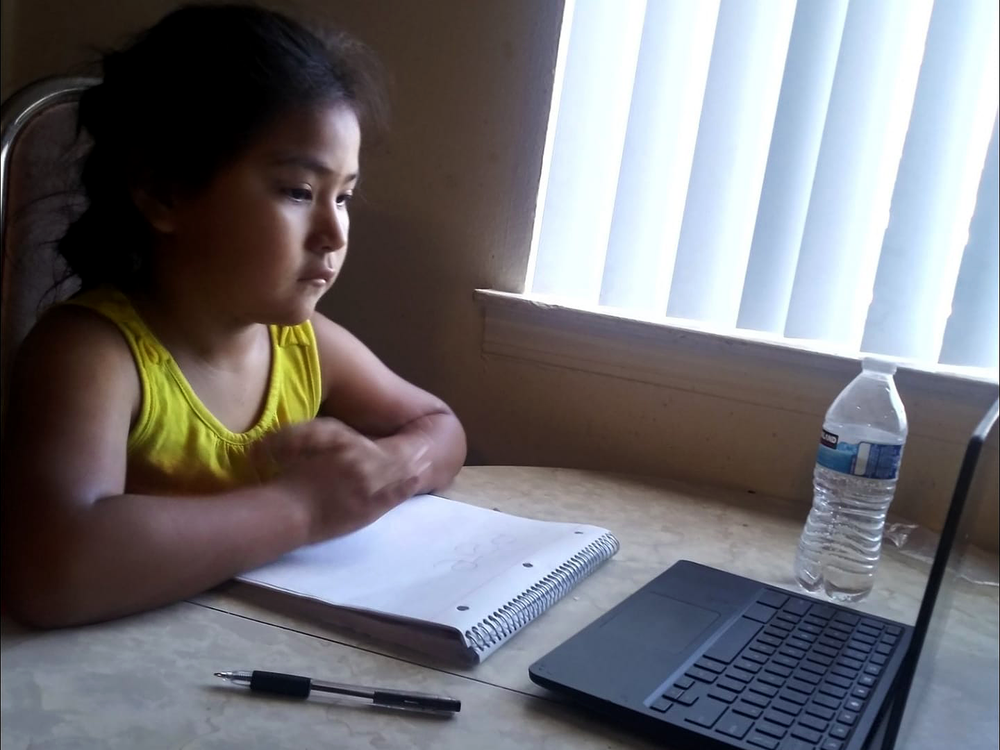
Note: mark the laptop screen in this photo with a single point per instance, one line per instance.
(954, 694)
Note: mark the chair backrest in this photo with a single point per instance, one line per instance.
(41, 153)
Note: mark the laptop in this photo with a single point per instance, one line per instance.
(701, 658)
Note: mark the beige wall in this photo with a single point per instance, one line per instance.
(448, 206)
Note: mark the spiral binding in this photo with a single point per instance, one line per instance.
(530, 603)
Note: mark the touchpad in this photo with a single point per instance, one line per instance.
(653, 618)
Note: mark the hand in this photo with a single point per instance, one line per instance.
(344, 479)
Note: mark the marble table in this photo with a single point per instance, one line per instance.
(146, 681)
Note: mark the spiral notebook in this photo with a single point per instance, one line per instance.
(439, 576)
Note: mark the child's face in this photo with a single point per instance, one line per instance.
(267, 237)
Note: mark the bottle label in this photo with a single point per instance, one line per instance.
(866, 460)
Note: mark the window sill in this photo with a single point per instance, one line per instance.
(944, 403)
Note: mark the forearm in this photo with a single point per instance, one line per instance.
(444, 439)
(128, 553)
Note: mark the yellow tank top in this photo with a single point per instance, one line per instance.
(176, 445)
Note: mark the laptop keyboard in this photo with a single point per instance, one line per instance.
(790, 674)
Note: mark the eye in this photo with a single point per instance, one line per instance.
(346, 198)
(298, 194)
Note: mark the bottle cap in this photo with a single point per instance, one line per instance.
(879, 365)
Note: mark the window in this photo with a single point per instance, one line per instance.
(825, 172)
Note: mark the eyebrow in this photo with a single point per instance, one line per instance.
(310, 164)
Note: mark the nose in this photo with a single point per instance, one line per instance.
(329, 228)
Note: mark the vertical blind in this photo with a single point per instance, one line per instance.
(823, 171)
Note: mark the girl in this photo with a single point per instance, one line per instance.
(163, 432)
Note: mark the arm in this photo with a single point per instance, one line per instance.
(402, 419)
(77, 547)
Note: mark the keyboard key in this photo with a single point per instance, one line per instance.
(779, 669)
(780, 627)
(861, 692)
(795, 654)
(847, 717)
(840, 627)
(853, 704)
(748, 709)
(813, 722)
(771, 679)
(759, 612)
(865, 630)
(683, 682)
(889, 640)
(710, 665)
(834, 691)
(797, 744)
(829, 642)
(825, 661)
(702, 675)
(850, 662)
(755, 657)
(811, 666)
(728, 683)
(762, 648)
(758, 700)
(893, 629)
(796, 642)
(825, 651)
(867, 639)
(883, 648)
(788, 617)
(773, 730)
(785, 707)
(661, 704)
(852, 653)
(734, 725)
(764, 689)
(807, 677)
(878, 659)
(832, 744)
(733, 640)
(807, 734)
(836, 635)
(866, 680)
(747, 665)
(841, 682)
(839, 731)
(827, 701)
(840, 671)
(798, 606)
(811, 628)
(738, 673)
(704, 713)
(770, 640)
(726, 696)
(873, 624)
(772, 598)
(690, 696)
(761, 741)
(800, 686)
(804, 635)
(793, 697)
(778, 632)
(847, 617)
(859, 646)
(778, 718)
(873, 669)
(824, 611)
(814, 709)
(673, 693)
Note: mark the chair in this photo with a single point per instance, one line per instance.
(41, 154)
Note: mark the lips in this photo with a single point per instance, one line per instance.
(324, 275)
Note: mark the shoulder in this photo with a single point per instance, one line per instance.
(72, 345)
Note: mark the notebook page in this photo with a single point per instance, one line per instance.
(427, 558)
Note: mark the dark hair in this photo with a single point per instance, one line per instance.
(183, 100)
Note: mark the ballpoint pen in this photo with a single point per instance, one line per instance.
(300, 687)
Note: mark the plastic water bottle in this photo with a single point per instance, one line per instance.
(856, 470)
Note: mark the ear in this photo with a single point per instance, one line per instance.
(157, 210)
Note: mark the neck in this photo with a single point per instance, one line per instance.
(188, 322)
